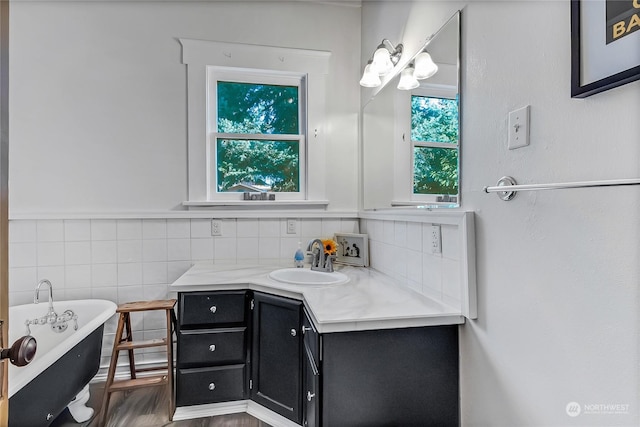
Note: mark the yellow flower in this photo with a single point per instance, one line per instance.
(330, 246)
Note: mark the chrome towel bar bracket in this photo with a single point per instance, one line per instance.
(507, 187)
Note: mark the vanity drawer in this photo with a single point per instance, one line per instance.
(208, 308)
(208, 385)
(212, 347)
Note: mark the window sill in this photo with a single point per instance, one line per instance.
(258, 204)
(424, 204)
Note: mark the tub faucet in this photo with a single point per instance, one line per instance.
(58, 323)
(36, 298)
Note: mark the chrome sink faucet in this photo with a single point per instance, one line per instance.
(320, 261)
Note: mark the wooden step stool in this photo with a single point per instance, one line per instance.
(124, 341)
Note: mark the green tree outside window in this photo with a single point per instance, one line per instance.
(242, 161)
(434, 121)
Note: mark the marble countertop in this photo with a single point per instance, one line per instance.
(370, 300)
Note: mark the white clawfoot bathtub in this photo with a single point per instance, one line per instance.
(63, 365)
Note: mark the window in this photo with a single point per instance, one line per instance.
(257, 143)
(434, 148)
(255, 117)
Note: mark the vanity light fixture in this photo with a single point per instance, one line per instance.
(384, 59)
(408, 79)
(424, 66)
(370, 77)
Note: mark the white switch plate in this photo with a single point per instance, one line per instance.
(519, 128)
(436, 239)
(216, 227)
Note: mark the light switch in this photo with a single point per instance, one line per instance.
(519, 128)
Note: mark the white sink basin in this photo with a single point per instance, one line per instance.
(305, 276)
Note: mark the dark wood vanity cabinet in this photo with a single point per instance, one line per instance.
(213, 347)
(235, 345)
(391, 377)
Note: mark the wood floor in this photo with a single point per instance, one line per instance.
(147, 407)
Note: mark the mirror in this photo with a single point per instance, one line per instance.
(410, 138)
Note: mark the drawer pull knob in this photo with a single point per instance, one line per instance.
(212, 347)
(305, 330)
(213, 309)
(293, 332)
(310, 396)
(212, 386)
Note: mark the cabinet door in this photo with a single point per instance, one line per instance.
(276, 355)
(310, 391)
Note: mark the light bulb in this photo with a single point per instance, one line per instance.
(407, 79)
(370, 77)
(425, 67)
(382, 61)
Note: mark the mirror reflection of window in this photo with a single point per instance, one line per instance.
(434, 139)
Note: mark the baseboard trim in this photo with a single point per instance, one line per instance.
(207, 410)
(268, 416)
(225, 408)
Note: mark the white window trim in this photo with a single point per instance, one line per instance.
(404, 145)
(198, 55)
(215, 74)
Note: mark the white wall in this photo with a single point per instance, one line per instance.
(558, 300)
(98, 97)
(98, 152)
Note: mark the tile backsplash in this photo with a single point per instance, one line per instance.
(136, 259)
(402, 250)
(125, 259)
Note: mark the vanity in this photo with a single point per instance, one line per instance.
(366, 352)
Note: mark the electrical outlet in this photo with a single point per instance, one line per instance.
(436, 240)
(216, 227)
(292, 226)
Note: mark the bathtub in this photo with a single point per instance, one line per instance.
(63, 365)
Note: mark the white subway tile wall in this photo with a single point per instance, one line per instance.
(402, 250)
(136, 259)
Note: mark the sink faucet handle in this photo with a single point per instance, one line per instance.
(329, 263)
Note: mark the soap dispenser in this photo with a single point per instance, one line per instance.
(299, 256)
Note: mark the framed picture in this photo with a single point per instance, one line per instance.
(605, 45)
(353, 249)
